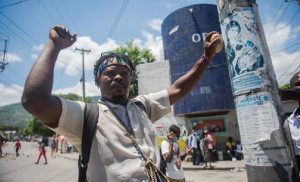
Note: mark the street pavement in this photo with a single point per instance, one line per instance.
(64, 167)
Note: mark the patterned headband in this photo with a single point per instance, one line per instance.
(112, 61)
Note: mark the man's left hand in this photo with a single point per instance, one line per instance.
(210, 45)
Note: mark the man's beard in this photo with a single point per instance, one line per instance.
(119, 99)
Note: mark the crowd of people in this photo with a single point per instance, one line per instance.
(204, 147)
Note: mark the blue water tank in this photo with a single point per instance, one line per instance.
(183, 32)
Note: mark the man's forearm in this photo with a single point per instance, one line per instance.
(168, 156)
(185, 83)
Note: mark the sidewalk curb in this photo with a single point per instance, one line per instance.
(67, 157)
(73, 156)
(211, 169)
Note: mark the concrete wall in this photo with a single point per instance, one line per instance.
(154, 77)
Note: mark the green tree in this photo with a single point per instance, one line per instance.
(20, 124)
(35, 126)
(2, 128)
(75, 97)
(138, 56)
(285, 87)
(89, 99)
(70, 96)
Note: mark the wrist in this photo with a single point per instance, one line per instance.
(51, 46)
(204, 58)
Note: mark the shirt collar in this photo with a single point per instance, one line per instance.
(293, 117)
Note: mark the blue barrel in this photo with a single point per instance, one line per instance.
(183, 32)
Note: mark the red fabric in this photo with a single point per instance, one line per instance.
(18, 144)
(42, 149)
(214, 139)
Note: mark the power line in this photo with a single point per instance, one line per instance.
(19, 28)
(298, 65)
(118, 18)
(115, 24)
(293, 45)
(293, 16)
(9, 79)
(3, 35)
(47, 12)
(58, 11)
(12, 4)
(293, 62)
(69, 15)
(276, 12)
(3, 63)
(284, 12)
(24, 42)
(275, 17)
(16, 73)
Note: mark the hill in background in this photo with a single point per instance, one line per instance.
(14, 115)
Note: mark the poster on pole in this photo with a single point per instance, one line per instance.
(258, 121)
(244, 51)
(257, 116)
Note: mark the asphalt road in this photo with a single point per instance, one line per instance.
(23, 169)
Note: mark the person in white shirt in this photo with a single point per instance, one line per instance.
(113, 156)
(171, 153)
(292, 123)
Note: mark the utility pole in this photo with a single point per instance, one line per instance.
(3, 63)
(255, 90)
(82, 51)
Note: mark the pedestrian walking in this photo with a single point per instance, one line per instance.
(199, 149)
(207, 148)
(42, 152)
(53, 146)
(17, 147)
(1, 145)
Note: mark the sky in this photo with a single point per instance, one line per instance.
(104, 25)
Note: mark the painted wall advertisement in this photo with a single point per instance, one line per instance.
(244, 50)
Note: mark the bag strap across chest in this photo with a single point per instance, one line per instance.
(91, 115)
